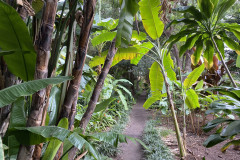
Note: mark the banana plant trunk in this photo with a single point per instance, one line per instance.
(98, 88)
(43, 47)
(72, 92)
(170, 101)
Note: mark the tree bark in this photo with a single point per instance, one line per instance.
(72, 92)
(98, 88)
(43, 46)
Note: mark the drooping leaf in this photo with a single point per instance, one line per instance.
(192, 99)
(78, 141)
(183, 20)
(220, 46)
(18, 114)
(232, 44)
(214, 123)
(103, 37)
(213, 140)
(104, 104)
(150, 17)
(143, 49)
(122, 54)
(10, 94)
(193, 76)
(54, 144)
(123, 99)
(14, 37)
(156, 79)
(208, 54)
(36, 135)
(169, 66)
(152, 100)
(140, 37)
(197, 54)
(54, 101)
(189, 44)
(232, 129)
(124, 30)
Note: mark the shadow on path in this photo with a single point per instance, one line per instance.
(135, 127)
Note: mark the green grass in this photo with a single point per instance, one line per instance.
(158, 150)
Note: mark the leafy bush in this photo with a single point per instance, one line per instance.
(158, 150)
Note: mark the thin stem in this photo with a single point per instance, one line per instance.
(224, 64)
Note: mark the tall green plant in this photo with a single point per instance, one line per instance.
(205, 30)
(149, 10)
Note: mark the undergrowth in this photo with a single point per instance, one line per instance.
(157, 149)
(107, 149)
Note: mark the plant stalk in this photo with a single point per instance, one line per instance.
(224, 64)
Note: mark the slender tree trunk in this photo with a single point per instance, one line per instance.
(170, 101)
(43, 53)
(98, 88)
(72, 93)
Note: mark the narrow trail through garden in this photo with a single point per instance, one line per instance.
(135, 127)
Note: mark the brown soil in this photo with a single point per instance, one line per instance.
(138, 118)
(195, 148)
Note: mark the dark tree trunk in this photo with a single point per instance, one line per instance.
(43, 47)
(98, 88)
(70, 100)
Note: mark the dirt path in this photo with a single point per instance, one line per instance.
(138, 118)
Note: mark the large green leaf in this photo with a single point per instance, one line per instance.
(208, 54)
(150, 17)
(79, 141)
(14, 37)
(213, 140)
(54, 144)
(206, 7)
(152, 100)
(214, 123)
(220, 46)
(232, 129)
(104, 104)
(227, 145)
(122, 54)
(103, 37)
(193, 76)
(11, 94)
(123, 99)
(223, 7)
(54, 102)
(197, 54)
(1, 149)
(124, 30)
(189, 43)
(143, 49)
(36, 135)
(156, 79)
(18, 114)
(231, 44)
(169, 66)
(192, 99)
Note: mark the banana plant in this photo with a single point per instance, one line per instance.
(160, 70)
(227, 123)
(204, 29)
